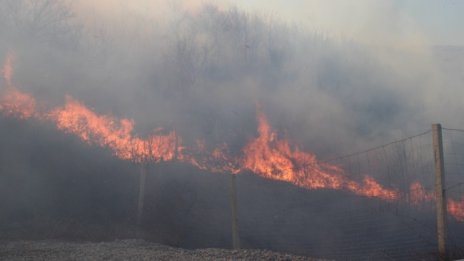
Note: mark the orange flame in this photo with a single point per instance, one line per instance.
(216, 161)
(7, 69)
(456, 208)
(115, 134)
(417, 194)
(273, 158)
(266, 155)
(13, 102)
(17, 104)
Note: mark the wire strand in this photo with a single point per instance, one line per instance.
(378, 147)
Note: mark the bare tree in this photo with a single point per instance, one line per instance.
(50, 20)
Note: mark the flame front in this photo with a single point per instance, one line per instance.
(115, 134)
(456, 208)
(7, 69)
(273, 158)
(12, 101)
(17, 104)
(266, 155)
(418, 194)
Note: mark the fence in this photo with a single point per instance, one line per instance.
(339, 226)
(77, 197)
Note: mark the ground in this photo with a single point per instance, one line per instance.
(126, 250)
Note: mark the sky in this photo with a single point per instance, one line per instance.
(440, 21)
(437, 22)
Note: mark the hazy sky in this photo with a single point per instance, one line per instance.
(443, 20)
(438, 22)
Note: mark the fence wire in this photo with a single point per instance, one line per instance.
(341, 226)
(453, 146)
(190, 208)
(332, 224)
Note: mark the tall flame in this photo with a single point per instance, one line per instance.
(266, 155)
(273, 158)
(7, 69)
(115, 134)
(12, 101)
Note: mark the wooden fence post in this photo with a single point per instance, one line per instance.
(440, 193)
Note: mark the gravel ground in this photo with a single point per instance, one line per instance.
(126, 250)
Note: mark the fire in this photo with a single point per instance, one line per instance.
(115, 134)
(418, 194)
(456, 208)
(13, 102)
(218, 160)
(17, 104)
(273, 158)
(371, 188)
(7, 69)
(267, 155)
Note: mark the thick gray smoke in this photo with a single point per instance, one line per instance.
(201, 70)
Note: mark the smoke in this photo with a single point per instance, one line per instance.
(332, 76)
(380, 69)
(349, 75)
(200, 69)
